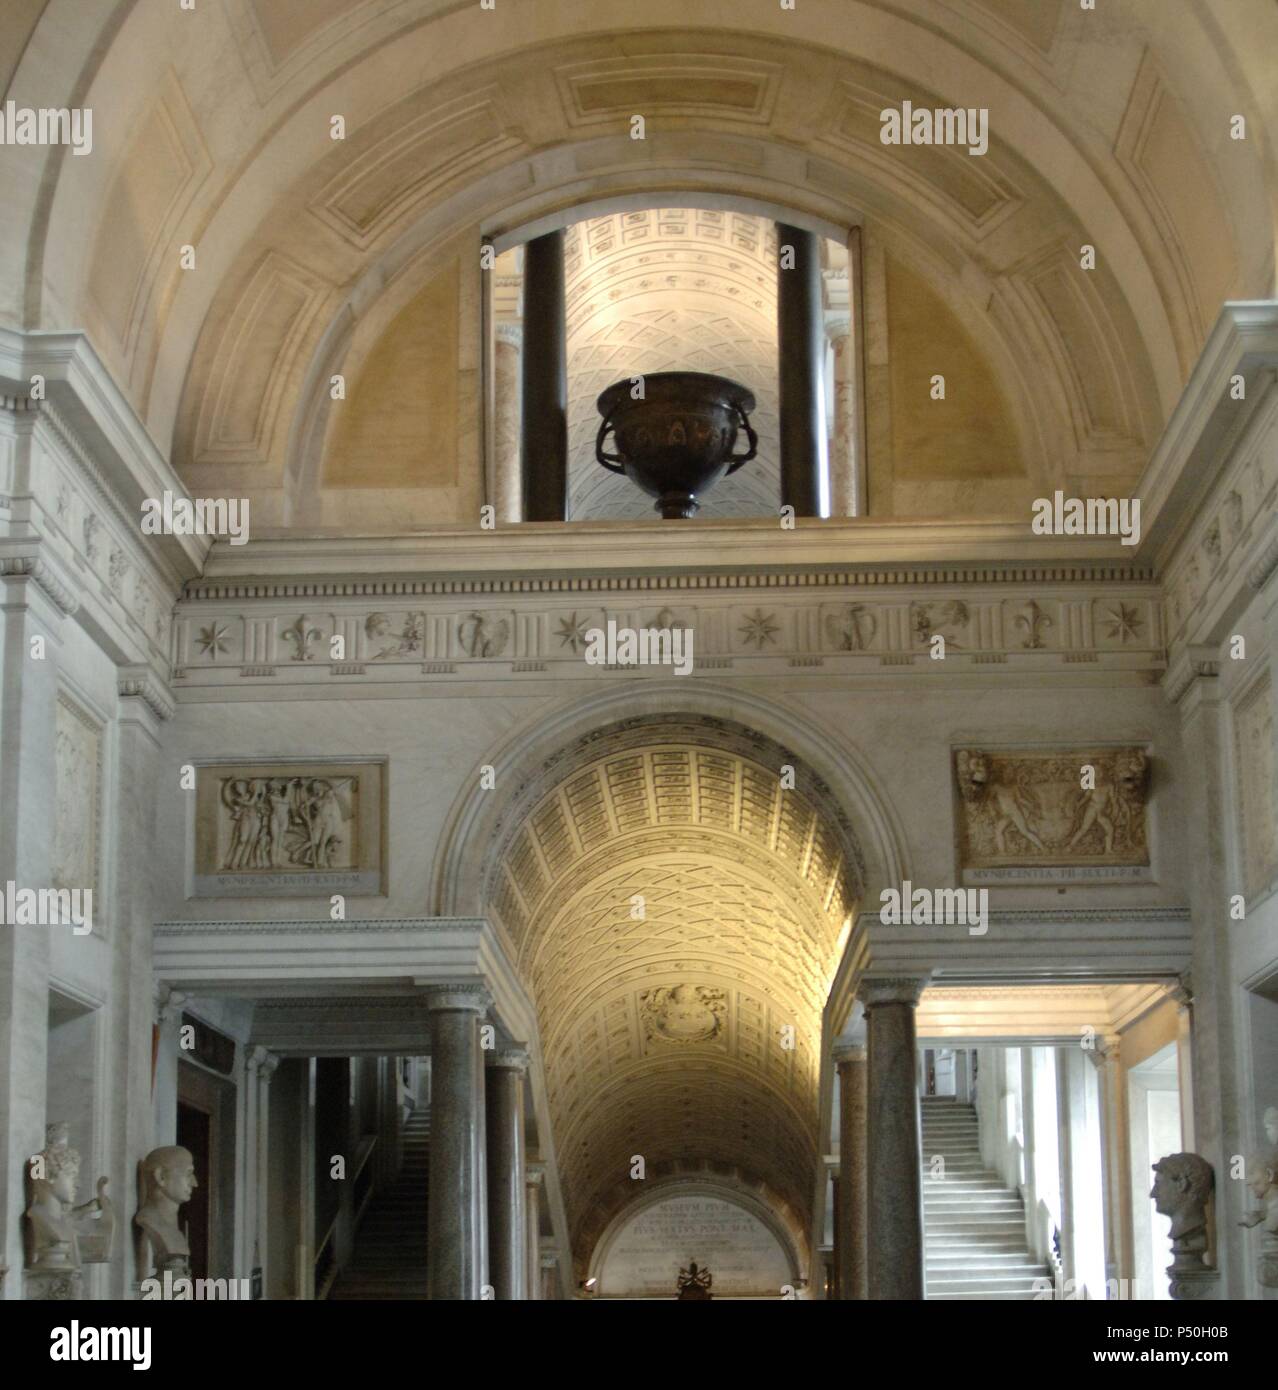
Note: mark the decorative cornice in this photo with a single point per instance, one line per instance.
(1188, 664)
(215, 590)
(1266, 560)
(266, 927)
(46, 578)
(141, 683)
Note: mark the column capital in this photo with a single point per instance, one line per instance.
(512, 1058)
(847, 1053)
(510, 333)
(892, 989)
(534, 1173)
(459, 998)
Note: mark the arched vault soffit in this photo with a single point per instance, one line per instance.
(548, 745)
(678, 910)
(531, 126)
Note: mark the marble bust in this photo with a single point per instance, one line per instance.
(168, 1179)
(56, 1222)
(1182, 1187)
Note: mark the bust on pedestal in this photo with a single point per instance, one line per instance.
(168, 1179)
(1182, 1187)
(58, 1227)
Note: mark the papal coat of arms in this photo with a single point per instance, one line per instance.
(683, 1013)
(1052, 809)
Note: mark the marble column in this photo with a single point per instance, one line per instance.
(507, 370)
(544, 409)
(800, 375)
(1106, 1058)
(267, 1065)
(507, 1216)
(456, 1264)
(533, 1175)
(853, 1175)
(894, 1235)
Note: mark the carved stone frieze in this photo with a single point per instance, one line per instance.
(1059, 814)
(289, 829)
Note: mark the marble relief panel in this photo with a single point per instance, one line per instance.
(1254, 760)
(78, 747)
(1052, 815)
(289, 829)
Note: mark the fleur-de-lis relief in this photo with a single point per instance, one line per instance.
(1032, 622)
(758, 629)
(212, 639)
(301, 637)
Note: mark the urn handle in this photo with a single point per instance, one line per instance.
(736, 460)
(611, 462)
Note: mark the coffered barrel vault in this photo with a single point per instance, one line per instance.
(678, 900)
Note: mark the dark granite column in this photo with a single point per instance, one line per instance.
(853, 1176)
(507, 1219)
(543, 445)
(801, 363)
(456, 1258)
(894, 1236)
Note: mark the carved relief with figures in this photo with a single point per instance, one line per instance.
(1058, 814)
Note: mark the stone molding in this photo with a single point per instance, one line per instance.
(1188, 665)
(45, 577)
(141, 683)
(849, 1055)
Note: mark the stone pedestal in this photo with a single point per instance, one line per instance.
(894, 1236)
(507, 1218)
(851, 1278)
(456, 1263)
(42, 1285)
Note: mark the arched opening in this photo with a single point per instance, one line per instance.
(677, 892)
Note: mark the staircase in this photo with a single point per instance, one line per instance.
(973, 1226)
(390, 1245)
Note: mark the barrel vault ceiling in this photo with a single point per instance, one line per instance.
(678, 916)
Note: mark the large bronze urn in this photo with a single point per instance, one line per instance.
(676, 439)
